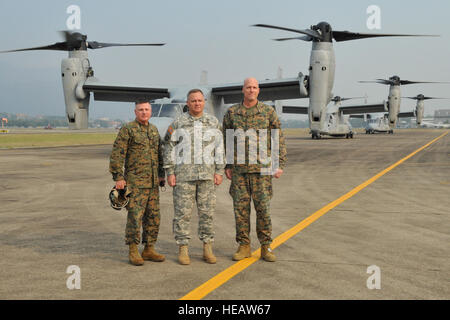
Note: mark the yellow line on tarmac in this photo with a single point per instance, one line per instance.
(215, 282)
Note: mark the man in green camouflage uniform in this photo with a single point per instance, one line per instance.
(195, 174)
(252, 178)
(137, 148)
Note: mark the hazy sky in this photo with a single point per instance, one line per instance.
(215, 36)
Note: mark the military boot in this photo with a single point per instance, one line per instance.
(134, 256)
(208, 254)
(266, 253)
(150, 253)
(183, 256)
(243, 252)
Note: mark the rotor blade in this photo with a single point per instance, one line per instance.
(99, 45)
(304, 38)
(381, 81)
(425, 98)
(343, 99)
(336, 99)
(308, 32)
(57, 46)
(414, 98)
(413, 82)
(347, 35)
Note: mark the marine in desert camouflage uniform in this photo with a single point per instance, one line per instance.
(250, 179)
(193, 176)
(136, 162)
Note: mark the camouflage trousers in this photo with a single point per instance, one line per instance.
(245, 187)
(185, 194)
(143, 211)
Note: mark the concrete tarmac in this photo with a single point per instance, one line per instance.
(55, 213)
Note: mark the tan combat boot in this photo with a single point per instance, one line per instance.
(150, 253)
(208, 254)
(243, 252)
(134, 256)
(183, 256)
(266, 253)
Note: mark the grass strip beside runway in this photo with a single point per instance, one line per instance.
(11, 141)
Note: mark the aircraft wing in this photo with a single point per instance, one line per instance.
(279, 89)
(365, 108)
(112, 92)
(295, 110)
(360, 116)
(407, 114)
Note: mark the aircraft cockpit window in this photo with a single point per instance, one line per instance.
(170, 110)
(155, 109)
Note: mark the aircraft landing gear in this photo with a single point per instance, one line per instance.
(315, 135)
(391, 131)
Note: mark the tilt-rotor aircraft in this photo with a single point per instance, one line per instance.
(336, 122)
(378, 125)
(319, 84)
(420, 106)
(394, 99)
(382, 124)
(79, 81)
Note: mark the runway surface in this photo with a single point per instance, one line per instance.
(54, 213)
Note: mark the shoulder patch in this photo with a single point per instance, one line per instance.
(170, 130)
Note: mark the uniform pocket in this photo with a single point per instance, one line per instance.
(140, 140)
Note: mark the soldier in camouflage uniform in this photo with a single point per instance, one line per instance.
(195, 175)
(137, 148)
(249, 178)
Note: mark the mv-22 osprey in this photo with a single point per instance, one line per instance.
(383, 124)
(79, 81)
(320, 82)
(392, 105)
(420, 106)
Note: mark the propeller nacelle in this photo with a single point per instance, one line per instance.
(325, 31)
(420, 97)
(75, 40)
(395, 80)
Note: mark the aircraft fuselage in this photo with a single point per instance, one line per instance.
(394, 100)
(74, 71)
(420, 107)
(321, 80)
